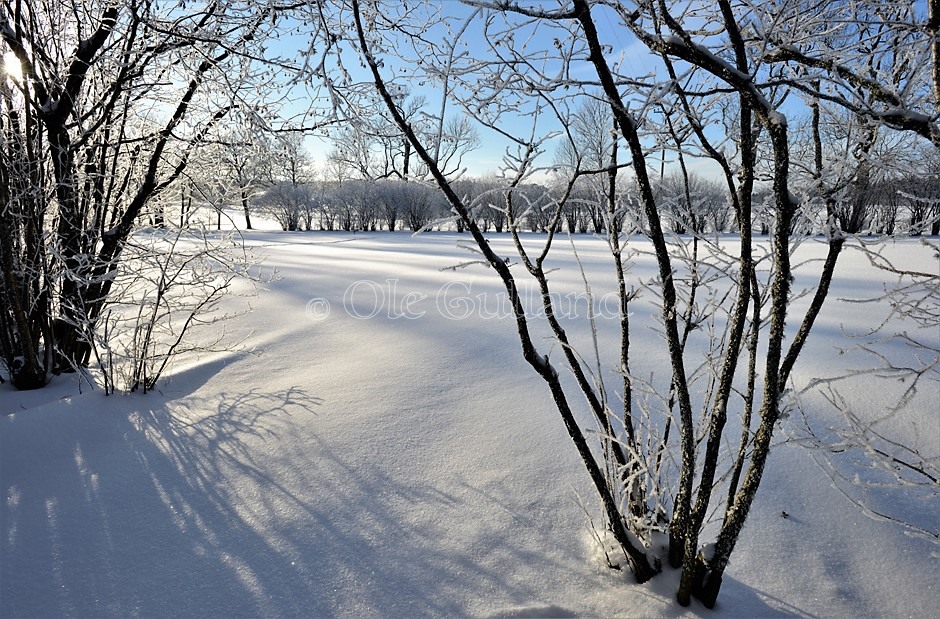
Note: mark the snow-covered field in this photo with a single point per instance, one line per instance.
(380, 449)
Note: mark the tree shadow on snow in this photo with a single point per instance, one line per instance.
(109, 513)
(237, 506)
(215, 508)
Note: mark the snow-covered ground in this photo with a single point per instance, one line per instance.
(380, 449)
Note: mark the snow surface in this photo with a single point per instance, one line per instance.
(405, 465)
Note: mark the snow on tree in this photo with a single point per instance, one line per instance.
(726, 311)
(96, 128)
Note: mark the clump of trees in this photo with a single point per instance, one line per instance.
(102, 108)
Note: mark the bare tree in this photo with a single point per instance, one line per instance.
(905, 197)
(245, 161)
(165, 302)
(487, 193)
(587, 149)
(355, 150)
(694, 203)
(422, 205)
(392, 200)
(84, 130)
(921, 192)
(290, 199)
(371, 146)
(749, 58)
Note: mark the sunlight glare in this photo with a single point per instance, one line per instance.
(12, 66)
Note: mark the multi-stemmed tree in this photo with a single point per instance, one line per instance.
(108, 105)
(759, 65)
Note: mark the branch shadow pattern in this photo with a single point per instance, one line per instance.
(126, 514)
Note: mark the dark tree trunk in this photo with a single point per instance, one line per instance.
(245, 208)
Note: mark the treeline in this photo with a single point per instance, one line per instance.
(903, 205)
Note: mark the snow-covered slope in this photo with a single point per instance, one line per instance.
(380, 449)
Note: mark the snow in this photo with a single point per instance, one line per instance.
(404, 465)
(776, 118)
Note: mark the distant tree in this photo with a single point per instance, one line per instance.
(354, 151)
(357, 203)
(392, 199)
(422, 205)
(921, 191)
(245, 158)
(577, 209)
(372, 147)
(887, 200)
(587, 148)
(695, 203)
(291, 199)
(489, 196)
(534, 206)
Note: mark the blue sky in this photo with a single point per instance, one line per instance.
(488, 158)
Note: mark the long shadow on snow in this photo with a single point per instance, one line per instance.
(116, 514)
(169, 512)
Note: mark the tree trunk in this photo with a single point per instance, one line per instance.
(246, 209)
